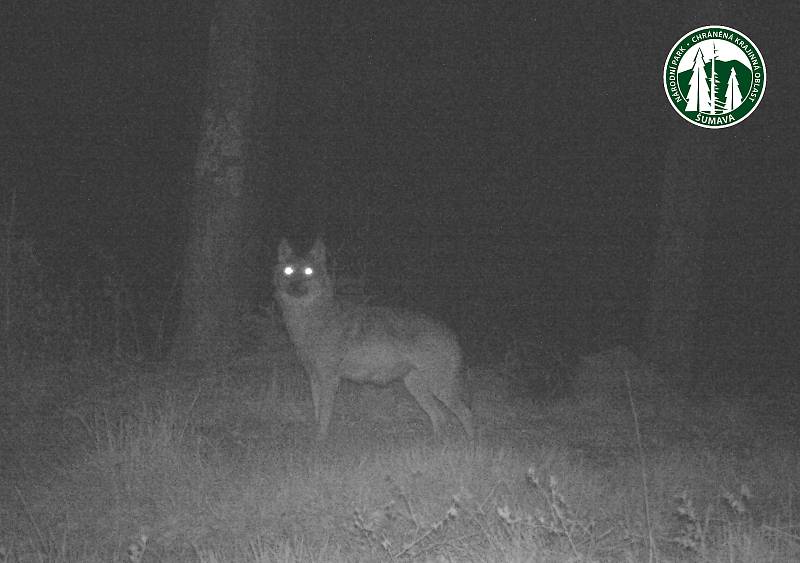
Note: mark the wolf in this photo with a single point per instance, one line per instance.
(338, 340)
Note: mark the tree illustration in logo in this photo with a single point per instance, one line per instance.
(706, 93)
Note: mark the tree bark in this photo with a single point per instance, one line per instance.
(691, 170)
(212, 285)
(677, 273)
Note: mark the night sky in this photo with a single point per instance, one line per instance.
(507, 160)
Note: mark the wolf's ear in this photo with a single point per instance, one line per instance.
(317, 252)
(284, 251)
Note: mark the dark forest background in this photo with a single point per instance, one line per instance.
(500, 166)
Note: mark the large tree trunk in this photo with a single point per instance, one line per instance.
(691, 171)
(212, 278)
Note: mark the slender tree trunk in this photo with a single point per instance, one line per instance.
(677, 274)
(691, 171)
(212, 284)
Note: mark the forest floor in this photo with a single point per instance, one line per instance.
(144, 464)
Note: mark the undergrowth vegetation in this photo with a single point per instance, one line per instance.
(107, 458)
(213, 473)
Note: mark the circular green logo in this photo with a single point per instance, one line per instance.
(714, 77)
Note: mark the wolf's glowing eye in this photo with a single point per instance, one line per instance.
(288, 271)
(308, 271)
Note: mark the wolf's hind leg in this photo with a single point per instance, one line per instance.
(420, 388)
(453, 402)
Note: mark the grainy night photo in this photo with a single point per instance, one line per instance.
(416, 281)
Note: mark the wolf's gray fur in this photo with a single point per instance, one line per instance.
(338, 340)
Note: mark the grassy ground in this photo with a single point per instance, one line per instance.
(102, 463)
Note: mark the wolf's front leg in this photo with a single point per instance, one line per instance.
(314, 382)
(326, 388)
